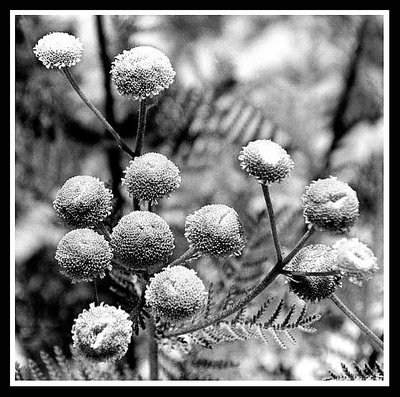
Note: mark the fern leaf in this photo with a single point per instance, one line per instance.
(368, 373)
(275, 314)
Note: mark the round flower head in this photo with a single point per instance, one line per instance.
(216, 230)
(356, 260)
(267, 161)
(151, 176)
(58, 50)
(314, 258)
(142, 72)
(176, 293)
(84, 255)
(330, 205)
(83, 201)
(141, 239)
(102, 333)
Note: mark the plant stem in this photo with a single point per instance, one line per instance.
(141, 127)
(270, 209)
(298, 246)
(374, 338)
(103, 230)
(121, 143)
(153, 349)
(309, 274)
(96, 292)
(184, 257)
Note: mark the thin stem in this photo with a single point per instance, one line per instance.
(309, 274)
(96, 292)
(121, 143)
(153, 349)
(103, 230)
(141, 128)
(374, 338)
(272, 222)
(298, 246)
(178, 261)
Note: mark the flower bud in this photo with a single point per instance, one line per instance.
(330, 205)
(142, 72)
(150, 177)
(58, 50)
(83, 201)
(102, 333)
(176, 293)
(141, 239)
(356, 260)
(267, 161)
(216, 230)
(314, 258)
(84, 255)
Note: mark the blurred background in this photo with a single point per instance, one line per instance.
(314, 84)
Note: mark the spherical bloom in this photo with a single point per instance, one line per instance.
(216, 230)
(314, 258)
(142, 72)
(84, 255)
(176, 293)
(356, 260)
(102, 333)
(83, 201)
(141, 239)
(151, 176)
(267, 161)
(330, 205)
(58, 50)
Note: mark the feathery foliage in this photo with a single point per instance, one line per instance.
(358, 372)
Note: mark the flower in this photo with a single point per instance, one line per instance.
(142, 72)
(102, 333)
(83, 201)
(330, 205)
(216, 230)
(84, 255)
(267, 161)
(356, 260)
(141, 239)
(58, 50)
(176, 293)
(151, 176)
(314, 258)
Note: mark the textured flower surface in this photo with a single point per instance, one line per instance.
(102, 333)
(151, 176)
(176, 293)
(141, 239)
(314, 258)
(267, 161)
(142, 72)
(356, 260)
(216, 230)
(58, 50)
(330, 205)
(83, 201)
(83, 255)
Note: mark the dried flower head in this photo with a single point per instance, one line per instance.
(142, 72)
(314, 258)
(83, 201)
(102, 333)
(356, 260)
(58, 50)
(267, 161)
(176, 293)
(141, 239)
(216, 230)
(83, 255)
(330, 205)
(150, 177)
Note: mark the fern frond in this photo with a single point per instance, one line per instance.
(35, 371)
(358, 373)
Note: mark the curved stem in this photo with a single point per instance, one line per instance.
(373, 337)
(121, 143)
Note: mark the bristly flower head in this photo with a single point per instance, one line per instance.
(150, 177)
(102, 333)
(84, 255)
(356, 260)
(58, 50)
(142, 72)
(330, 205)
(141, 239)
(267, 161)
(314, 258)
(83, 201)
(216, 230)
(176, 293)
